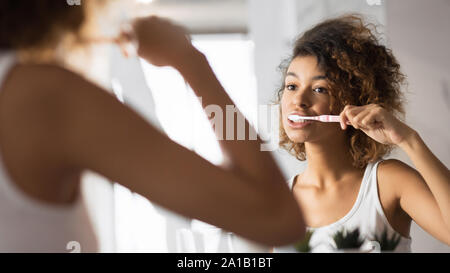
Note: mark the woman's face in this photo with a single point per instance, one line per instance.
(306, 93)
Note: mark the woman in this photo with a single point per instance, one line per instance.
(339, 67)
(54, 124)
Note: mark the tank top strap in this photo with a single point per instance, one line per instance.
(291, 181)
(373, 181)
(7, 61)
(369, 182)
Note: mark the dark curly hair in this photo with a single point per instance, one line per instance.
(43, 24)
(359, 70)
(27, 24)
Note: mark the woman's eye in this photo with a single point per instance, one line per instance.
(291, 87)
(320, 90)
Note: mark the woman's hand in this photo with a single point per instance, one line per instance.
(377, 123)
(161, 42)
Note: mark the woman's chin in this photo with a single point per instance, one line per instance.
(297, 139)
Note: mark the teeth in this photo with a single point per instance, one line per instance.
(296, 119)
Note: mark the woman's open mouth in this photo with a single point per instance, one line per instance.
(298, 123)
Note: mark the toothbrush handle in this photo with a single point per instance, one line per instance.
(329, 118)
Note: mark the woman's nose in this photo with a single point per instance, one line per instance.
(301, 99)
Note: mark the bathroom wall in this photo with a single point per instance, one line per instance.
(418, 33)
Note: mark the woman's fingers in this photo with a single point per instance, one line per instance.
(361, 117)
(348, 114)
(162, 42)
(357, 120)
(372, 120)
(344, 119)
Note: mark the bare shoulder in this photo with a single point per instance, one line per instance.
(33, 107)
(393, 177)
(32, 93)
(36, 103)
(42, 74)
(393, 169)
(396, 175)
(44, 93)
(34, 81)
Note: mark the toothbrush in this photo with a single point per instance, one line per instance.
(322, 118)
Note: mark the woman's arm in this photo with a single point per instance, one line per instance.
(101, 134)
(76, 125)
(159, 40)
(423, 194)
(433, 171)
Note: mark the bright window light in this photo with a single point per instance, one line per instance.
(144, 1)
(141, 225)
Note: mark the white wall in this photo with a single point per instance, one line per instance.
(418, 32)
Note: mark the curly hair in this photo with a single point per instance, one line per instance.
(42, 24)
(360, 71)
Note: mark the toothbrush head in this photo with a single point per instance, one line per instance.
(322, 118)
(297, 118)
(294, 118)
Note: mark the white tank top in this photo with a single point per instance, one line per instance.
(28, 225)
(367, 214)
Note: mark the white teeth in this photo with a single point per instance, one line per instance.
(296, 118)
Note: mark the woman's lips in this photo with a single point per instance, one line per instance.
(298, 125)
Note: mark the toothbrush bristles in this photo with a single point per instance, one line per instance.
(322, 118)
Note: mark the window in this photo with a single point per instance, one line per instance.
(143, 226)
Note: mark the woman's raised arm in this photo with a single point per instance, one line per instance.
(251, 199)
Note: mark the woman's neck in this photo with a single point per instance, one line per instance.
(328, 163)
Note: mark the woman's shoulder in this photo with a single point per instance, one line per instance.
(393, 169)
(394, 175)
(44, 77)
(40, 101)
(31, 84)
(45, 88)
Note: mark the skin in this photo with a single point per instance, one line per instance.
(328, 188)
(55, 124)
